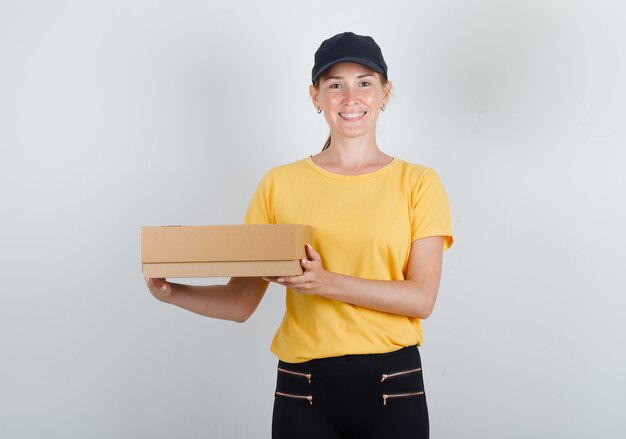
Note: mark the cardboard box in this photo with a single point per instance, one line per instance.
(233, 250)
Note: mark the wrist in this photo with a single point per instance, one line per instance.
(333, 288)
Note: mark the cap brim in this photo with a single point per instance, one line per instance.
(365, 62)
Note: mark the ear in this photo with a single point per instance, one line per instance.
(314, 96)
(387, 90)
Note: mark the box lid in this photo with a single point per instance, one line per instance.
(258, 242)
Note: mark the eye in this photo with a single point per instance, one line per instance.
(335, 85)
(365, 83)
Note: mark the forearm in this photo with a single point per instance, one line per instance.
(225, 302)
(415, 296)
(404, 297)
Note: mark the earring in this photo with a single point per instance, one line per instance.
(382, 108)
(319, 110)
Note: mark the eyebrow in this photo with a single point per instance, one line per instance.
(364, 75)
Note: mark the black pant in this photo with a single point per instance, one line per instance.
(353, 396)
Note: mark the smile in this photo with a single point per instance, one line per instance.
(353, 116)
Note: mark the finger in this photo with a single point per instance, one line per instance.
(313, 255)
(155, 282)
(291, 280)
(277, 279)
(301, 287)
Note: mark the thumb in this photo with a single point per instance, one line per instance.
(313, 255)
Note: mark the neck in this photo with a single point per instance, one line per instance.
(351, 152)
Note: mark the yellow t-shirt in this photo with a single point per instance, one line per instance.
(363, 226)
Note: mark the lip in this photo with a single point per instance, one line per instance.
(353, 116)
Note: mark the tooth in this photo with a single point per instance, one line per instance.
(352, 115)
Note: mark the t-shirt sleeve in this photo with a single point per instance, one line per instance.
(430, 209)
(260, 210)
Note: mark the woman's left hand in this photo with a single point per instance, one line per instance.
(314, 280)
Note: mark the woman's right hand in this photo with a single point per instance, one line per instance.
(159, 288)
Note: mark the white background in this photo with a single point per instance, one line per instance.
(119, 114)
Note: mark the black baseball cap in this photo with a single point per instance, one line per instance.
(349, 47)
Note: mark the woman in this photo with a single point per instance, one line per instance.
(349, 365)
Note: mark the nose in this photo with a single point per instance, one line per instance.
(351, 95)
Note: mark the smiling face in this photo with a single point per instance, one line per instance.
(350, 95)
